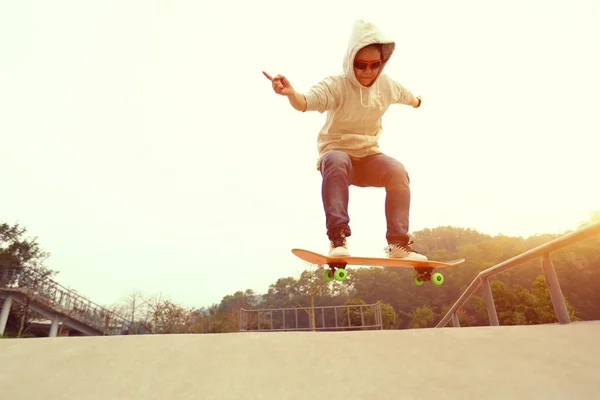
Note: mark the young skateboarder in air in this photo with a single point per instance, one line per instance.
(349, 154)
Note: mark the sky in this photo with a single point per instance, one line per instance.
(143, 147)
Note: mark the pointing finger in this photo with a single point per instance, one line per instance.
(268, 76)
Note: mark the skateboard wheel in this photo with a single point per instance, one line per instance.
(417, 280)
(341, 274)
(437, 278)
(329, 275)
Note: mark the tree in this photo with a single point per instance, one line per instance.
(281, 293)
(310, 284)
(421, 317)
(210, 320)
(447, 238)
(229, 310)
(170, 317)
(542, 303)
(388, 316)
(25, 258)
(19, 252)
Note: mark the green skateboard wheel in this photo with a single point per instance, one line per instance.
(417, 280)
(341, 274)
(437, 278)
(329, 275)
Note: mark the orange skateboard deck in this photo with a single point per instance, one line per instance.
(337, 265)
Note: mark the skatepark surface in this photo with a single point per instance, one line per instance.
(508, 362)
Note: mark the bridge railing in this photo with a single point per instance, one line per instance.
(543, 254)
(45, 291)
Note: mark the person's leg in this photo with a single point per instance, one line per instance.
(337, 172)
(384, 171)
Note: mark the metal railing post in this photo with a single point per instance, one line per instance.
(455, 322)
(6, 305)
(558, 301)
(348, 311)
(362, 316)
(489, 302)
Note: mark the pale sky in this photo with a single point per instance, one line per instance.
(141, 144)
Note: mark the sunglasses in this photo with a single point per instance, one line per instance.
(362, 65)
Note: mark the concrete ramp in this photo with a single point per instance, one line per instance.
(523, 362)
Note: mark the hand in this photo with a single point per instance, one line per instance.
(418, 102)
(280, 84)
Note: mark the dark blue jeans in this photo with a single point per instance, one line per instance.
(339, 171)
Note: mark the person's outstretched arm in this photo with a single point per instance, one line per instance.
(401, 95)
(282, 86)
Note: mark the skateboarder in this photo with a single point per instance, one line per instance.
(349, 154)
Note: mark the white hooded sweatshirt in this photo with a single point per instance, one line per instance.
(354, 111)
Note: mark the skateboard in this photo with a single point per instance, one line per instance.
(337, 265)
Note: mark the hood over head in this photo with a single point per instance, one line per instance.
(363, 34)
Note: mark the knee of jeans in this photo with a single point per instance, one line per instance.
(398, 177)
(335, 160)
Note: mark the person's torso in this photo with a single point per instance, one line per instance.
(355, 125)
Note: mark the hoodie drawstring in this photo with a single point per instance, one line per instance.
(372, 100)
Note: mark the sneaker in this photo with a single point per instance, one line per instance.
(404, 252)
(338, 247)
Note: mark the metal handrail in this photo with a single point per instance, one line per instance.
(542, 252)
